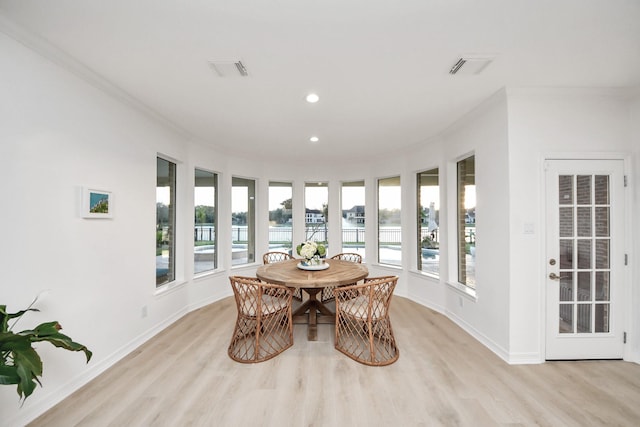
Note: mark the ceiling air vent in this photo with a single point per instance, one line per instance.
(229, 68)
(470, 64)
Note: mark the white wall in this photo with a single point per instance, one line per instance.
(57, 135)
(511, 134)
(546, 123)
(482, 132)
(634, 301)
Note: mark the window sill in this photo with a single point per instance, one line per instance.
(463, 290)
(425, 275)
(210, 273)
(242, 266)
(168, 288)
(388, 266)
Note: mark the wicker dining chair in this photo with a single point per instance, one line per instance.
(363, 327)
(271, 257)
(327, 293)
(264, 326)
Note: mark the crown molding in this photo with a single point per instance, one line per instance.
(67, 62)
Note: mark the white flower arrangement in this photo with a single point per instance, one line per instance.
(310, 249)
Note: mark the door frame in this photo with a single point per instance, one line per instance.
(627, 273)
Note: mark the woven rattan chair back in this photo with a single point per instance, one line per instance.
(264, 327)
(327, 293)
(363, 327)
(271, 257)
(348, 256)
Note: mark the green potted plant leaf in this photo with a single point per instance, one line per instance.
(20, 363)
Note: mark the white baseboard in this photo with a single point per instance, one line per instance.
(41, 401)
(525, 359)
(425, 303)
(483, 339)
(209, 300)
(510, 358)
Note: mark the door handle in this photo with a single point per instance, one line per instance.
(554, 276)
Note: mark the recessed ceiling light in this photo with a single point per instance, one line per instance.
(314, 139)
(312, 98)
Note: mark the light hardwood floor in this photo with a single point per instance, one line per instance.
(183, 377)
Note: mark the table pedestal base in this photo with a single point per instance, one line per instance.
(312, 312)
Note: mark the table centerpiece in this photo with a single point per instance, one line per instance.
(312, 254)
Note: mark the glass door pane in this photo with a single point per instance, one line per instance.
(583, 217)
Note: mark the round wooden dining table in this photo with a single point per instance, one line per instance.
(312, 311)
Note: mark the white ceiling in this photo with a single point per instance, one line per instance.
(380, 66)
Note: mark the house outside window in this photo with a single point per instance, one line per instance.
(205, 254)
(314, 216)
(165, 221)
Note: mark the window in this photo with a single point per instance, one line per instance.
(165, 221)
(389, 224)
(316, 199)
(353, 219)
(205, 255)
(466, 219)
(280, 220)
(428, 222)
(243, 194)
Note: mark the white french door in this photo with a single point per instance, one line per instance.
(584, 259)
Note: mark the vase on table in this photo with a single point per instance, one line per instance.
(314, 261)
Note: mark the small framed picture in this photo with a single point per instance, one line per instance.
(97, 203)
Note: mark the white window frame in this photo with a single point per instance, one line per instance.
(378, 180)
(216, 222)
(419, 222)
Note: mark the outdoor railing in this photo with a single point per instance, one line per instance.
(284, 234)
(205, 233)
(387, 235)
